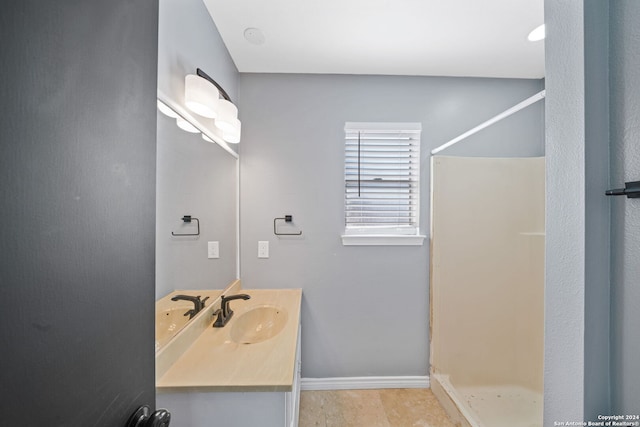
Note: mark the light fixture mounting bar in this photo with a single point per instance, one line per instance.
(213, 82)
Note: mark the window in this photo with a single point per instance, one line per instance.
(382, 184)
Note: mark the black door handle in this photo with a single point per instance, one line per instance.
(143, 417)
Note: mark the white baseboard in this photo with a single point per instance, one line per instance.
(363, 383)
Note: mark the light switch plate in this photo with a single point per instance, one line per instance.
(263, 249)
(213, 249)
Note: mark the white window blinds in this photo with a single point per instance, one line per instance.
(382, 178)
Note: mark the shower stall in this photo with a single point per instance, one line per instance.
(487, 289)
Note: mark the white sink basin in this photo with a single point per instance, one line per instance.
(258, 324)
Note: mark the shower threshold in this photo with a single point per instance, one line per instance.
(504, 405)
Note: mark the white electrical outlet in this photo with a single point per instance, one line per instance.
(263, 249)
(213, 249)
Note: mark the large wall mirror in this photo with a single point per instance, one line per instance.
(197, 178)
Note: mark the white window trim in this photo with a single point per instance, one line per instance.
(383, 239)
(392, 236)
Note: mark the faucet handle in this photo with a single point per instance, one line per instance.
(220, 321)
(191, 313)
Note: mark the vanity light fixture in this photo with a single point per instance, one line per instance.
(537, 34)
(186, 126)
(166, 110)
(180, 121)
(233, 136)
(227, 115)
(205, 97)
(188, 122)
(200, 96)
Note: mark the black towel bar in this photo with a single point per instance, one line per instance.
(187, 219)
(287, 218)
(631, 190)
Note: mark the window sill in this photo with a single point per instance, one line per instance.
(382, 240)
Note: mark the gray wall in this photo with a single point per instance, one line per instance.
(576, 381)
(77, 155)
(188, 39)
(597, 234)
(565, 206)
(565, 212)
(194, 177)
(625, 214)
(365, 309)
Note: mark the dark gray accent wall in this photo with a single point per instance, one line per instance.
(625, 214)
(365, 309)
(597, 236)
(77, 158)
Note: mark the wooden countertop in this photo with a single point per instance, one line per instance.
(165, 303)
(215, 362)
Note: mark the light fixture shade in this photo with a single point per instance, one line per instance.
(537, 34)
(166, 110)
(186, 126)
(233, 136)
(206, 138)
(200, 96)
(227, 116)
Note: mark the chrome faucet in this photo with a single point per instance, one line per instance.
(225, 313)
(198, 304)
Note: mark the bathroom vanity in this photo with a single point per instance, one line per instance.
(243, 374)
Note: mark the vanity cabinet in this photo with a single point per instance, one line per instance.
(292, 398)
(197, 407)
(231, 376)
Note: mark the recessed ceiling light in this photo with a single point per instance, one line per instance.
(537, 34)
(254, 36)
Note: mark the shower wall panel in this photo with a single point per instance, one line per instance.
(487, 270)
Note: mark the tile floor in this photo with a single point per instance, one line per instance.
(372, 408)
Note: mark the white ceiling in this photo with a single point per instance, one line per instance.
(480, 38)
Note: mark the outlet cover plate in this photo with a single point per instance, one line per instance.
(263, 249)
(213, 250)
